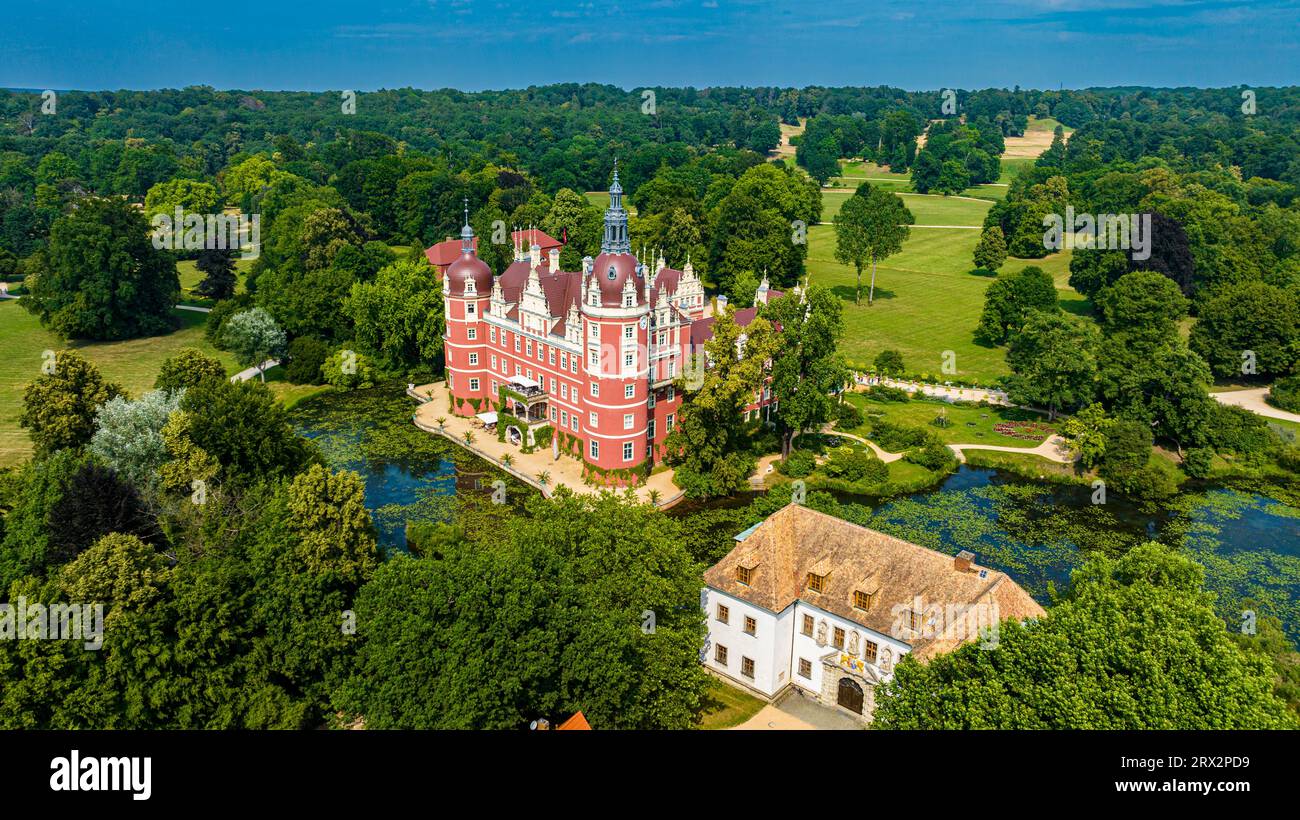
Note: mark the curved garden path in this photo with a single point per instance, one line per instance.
(1253, 400)
(1053, 448)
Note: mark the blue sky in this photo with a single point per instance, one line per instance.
(477, 44)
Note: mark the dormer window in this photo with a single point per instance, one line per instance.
(816, 582)
(613, 273)
(743, 575)
(863, 600)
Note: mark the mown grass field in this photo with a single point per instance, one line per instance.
(928, 296)
(133, 364)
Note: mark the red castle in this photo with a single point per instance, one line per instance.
(593, 354)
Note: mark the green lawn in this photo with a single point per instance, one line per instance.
(927, 209)
(191, 276)
(726, 706)
(133, 364)
(927, 301)
(967, 425)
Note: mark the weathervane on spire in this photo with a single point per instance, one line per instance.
(466, 232)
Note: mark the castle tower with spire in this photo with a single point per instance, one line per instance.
(594, 354)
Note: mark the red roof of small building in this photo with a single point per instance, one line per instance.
(577, 722)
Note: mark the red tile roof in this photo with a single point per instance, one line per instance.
(446, 252)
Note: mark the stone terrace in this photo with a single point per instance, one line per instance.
(566, 470)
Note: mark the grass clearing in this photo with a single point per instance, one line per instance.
(927, 301)
(133, 364)
(966, 425)
(190, 277)
(726, 706)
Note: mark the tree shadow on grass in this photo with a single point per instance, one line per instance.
(983, 273)
(847, 293)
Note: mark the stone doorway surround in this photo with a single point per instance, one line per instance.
(838, 665)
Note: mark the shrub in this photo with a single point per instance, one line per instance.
(306, 355)
(1197, 461)
(1285, 394)
(933, 455)
(1156, 481)
(896, 437)
(1237, 430)
(881, 392)
(798, 464)
(856, 465)
(848, 416)
(348, 370)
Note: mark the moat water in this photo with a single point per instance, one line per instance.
(1248, 543)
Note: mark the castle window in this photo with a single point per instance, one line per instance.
(837, 638)
(720, 654)
(564, 418)
(469, 308)
(863, 600)
(747, 667)
(628, 421)
(492, 334)
(595, 390)
(751, 625)
(573, 422)
(869, 651)
(473, 358)
(724, 614)
(564, 361)
(473, 385)
(516, 342)
(805, 668)
(594, 448)
(743, 575)
(451, 380)
(672, 392)
(808, 625)
(564, 391)
(552, 356)
(573, 364)
(816, 582)
(494, 361)
(471, 333)
(628, 330)
(629, 390)
(552, 414)
(629, 360)
(651, 399)
(529, 347)
(668, 423)
(591, 420)
(628, 451)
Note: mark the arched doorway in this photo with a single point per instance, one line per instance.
(513, 434)
(850, 695)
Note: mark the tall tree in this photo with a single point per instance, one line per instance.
(709, 446)
(399, 316)
(59, 407)
(101, 277)
(872, 225)
(1143, 646)
(807, 367)
(254, 338)
(1053, 364)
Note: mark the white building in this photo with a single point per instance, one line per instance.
(815, 602)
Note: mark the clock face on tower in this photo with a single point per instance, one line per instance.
(644, 322)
